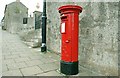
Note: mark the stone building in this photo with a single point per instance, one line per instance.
(16, 18)
(98, 35)
(13, 16)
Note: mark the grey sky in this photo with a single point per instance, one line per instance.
(31, 4)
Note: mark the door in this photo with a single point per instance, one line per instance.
(66, 39)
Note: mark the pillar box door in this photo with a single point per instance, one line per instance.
(69, 29)
(66, 39)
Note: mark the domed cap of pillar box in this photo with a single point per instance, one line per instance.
(70, 8)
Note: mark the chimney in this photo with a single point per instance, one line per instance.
(17, 0)
(37, 7)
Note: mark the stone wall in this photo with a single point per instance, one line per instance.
(31, 37)
(119, 39)
(98, 25)
(29, 26)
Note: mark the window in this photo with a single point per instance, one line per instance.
(25, 20)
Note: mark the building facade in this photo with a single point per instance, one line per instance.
(98, 35)
(13, 16)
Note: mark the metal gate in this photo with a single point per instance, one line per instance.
(37, 22)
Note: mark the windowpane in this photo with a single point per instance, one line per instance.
(24, 20)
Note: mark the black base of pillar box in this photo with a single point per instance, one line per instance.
(69, 68)
(43, 48)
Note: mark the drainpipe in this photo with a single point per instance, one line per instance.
(44, 18)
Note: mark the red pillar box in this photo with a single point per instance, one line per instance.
(69, 31)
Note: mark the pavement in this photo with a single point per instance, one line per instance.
(20, 60)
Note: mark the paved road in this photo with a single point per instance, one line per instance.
(19, 60)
